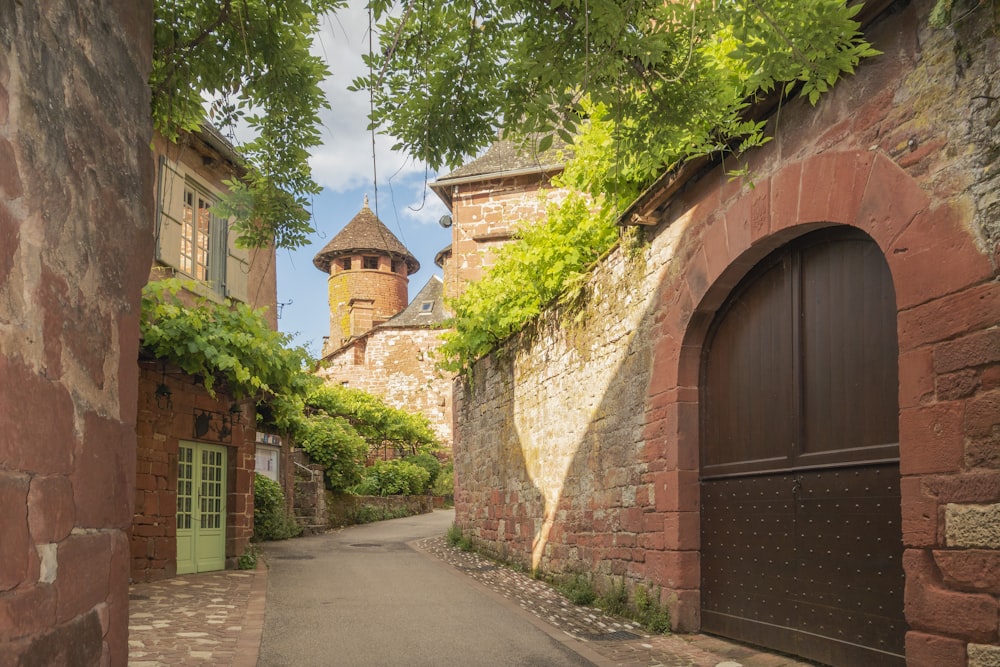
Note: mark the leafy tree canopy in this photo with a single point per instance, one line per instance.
(675, 76)
(334, 444)
(251, 57)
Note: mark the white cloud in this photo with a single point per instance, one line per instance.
(344, 161)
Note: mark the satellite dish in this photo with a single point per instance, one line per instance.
(445, 221)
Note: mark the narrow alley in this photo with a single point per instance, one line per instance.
(394, 593)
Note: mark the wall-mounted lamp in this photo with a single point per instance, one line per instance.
(163, 397)
(445, 221)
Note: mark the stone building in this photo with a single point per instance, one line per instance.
(76, 184)
(488, 198)
(196, 452)
(783, 413)
(368, 269)
(378, 343)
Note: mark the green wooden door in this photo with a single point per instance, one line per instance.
(201, 508)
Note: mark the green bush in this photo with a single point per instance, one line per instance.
(428, 462)
(371, 514)
(615, 600)
(458, 538)
(648, 610)
(393, 478)
(248, 561)
(578, 590)
(334, 444)
(271, 521)
(444, 485)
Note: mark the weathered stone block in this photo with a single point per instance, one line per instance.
(931, 438)
(931, 608)
(973, 309)
(84, 573)
(984, 655)
(977, 349)
(25, 612)
(51, 510)
(975, 570)
(973, 526)
(924, 650)
(15, 544)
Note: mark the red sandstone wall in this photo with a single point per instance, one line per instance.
(160, 429)
(484, 216)
(590, 460)
(386, 289)
(76, 185)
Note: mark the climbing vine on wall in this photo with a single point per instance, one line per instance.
(636, 88)
(226, 343)
(546, 260)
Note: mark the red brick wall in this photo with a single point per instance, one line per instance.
(160, 430)
(76, 185)
(590, 460)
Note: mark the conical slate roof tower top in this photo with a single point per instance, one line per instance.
(365, 233)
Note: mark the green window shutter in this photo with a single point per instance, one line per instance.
(170, 206)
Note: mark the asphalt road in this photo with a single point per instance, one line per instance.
(363, 597)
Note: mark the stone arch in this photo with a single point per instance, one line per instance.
(934, 261)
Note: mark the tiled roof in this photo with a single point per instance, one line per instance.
(442, 254)
(365, 233)
(426, 309)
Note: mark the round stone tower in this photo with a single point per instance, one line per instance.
(368, 269)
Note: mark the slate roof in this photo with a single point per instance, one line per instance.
(365, 233)
(426, 309)
(504, 158)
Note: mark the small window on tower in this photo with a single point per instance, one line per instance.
(397, 266)
(345, 264)
(371, 262)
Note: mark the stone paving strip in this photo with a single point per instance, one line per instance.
(622, 642)
(214, 618)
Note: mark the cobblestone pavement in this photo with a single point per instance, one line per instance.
(621, 642)
(214, 618)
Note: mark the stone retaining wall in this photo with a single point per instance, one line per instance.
(340, 507)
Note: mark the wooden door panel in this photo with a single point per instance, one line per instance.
(801, 535)
(849, 352)
(748, 381)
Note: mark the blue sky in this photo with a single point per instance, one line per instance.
(343, 166)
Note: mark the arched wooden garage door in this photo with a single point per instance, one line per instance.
(801, 537)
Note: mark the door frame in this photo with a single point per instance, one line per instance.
(204, 549)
